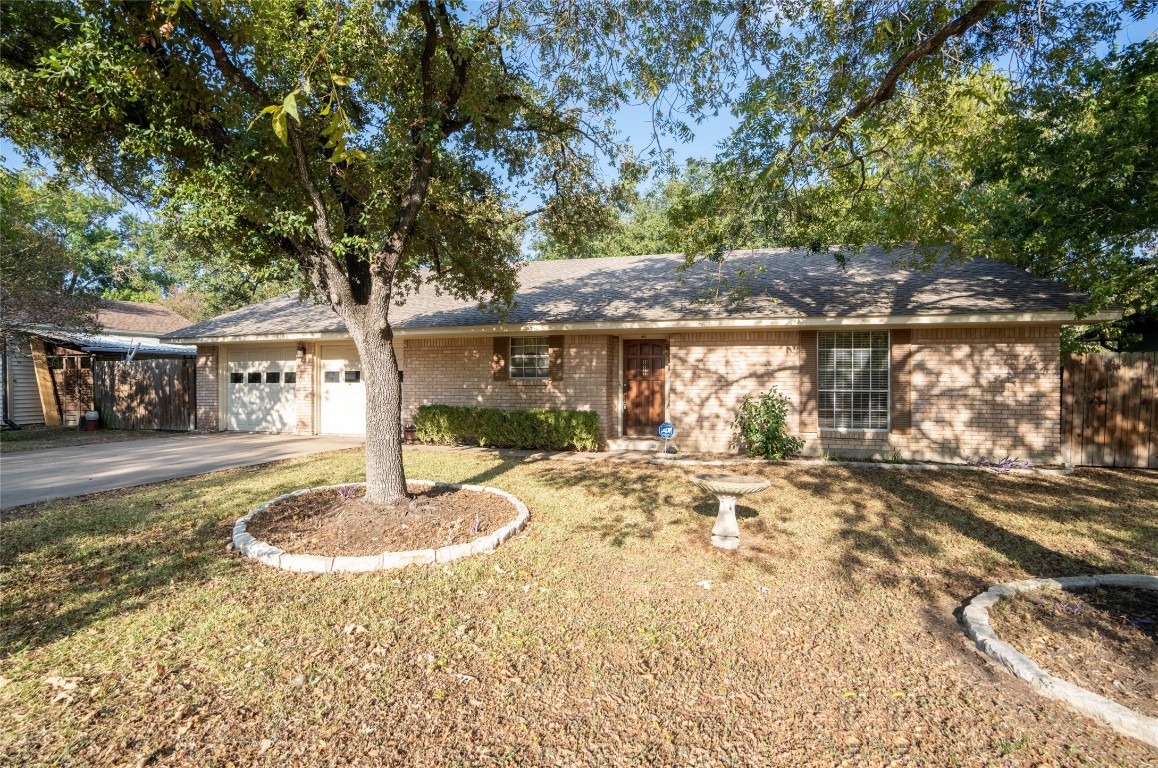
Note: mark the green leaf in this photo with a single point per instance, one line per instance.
(279, 127)
(341, 81)
(290, 106)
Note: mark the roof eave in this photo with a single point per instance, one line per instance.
(943, 320)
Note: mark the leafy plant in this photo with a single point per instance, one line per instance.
(761, 425)
(543, 429)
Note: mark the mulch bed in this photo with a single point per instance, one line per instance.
(1104, 640)
(340, 522)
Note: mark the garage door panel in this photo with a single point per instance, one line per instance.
(260, 385)
(343, 393)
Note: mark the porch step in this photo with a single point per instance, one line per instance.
(636, 444)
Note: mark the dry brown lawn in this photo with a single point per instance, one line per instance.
(132, 637)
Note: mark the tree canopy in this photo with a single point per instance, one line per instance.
(373, 145)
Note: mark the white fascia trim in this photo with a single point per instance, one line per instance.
(312, 336)
(999, 318)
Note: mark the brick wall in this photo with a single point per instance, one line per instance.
(710, 374)
(457, 371)
(304, 391)
(975, 392)
(207, 389)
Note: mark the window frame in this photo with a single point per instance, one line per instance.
(546, 356)
(888, 390)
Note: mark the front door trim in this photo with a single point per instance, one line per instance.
(624, 430)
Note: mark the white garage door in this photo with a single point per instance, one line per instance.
(343, 409)
(260, 389)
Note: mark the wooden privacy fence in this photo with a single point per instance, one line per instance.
(145, 394)
(1110, 410)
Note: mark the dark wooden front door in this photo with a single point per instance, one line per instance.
(644, 379)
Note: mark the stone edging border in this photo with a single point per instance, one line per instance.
(910, 466)
(267, 554)
(975, 619)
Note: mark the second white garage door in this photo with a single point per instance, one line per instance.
(260, 389)
(343, 393)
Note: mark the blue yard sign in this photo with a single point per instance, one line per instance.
(667, 430)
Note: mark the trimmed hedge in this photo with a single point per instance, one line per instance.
(539, 429)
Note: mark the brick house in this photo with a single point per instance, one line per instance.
(960, 360)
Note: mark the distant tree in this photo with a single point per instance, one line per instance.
(56, 246)
(639, 230)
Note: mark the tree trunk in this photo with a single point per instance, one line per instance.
(385, 478)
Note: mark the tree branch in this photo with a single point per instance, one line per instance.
(930, 45)
(320, 262)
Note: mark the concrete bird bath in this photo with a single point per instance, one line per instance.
(728, 488)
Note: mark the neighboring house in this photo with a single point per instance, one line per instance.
(937, 365)
(48, 380)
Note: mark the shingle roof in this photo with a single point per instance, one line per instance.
(138, 317)
(780, 283)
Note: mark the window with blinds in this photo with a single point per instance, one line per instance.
(853, 379)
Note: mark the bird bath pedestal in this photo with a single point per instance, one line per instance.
(728, 488)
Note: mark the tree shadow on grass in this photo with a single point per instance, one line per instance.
(636, 493)
(907, 520)
(493, 472)
(71, 565)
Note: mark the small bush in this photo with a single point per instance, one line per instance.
(539, 429)
(761, 427)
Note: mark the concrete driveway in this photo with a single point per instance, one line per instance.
(58, 473)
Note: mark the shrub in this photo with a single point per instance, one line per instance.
(762, 432)
(539, 429)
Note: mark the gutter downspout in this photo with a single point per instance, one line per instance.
(7, 394)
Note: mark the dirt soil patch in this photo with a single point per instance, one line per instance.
(1105, 639)
(339, 521)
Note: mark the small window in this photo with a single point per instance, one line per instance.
(331, 377)
(290, 377)
(353, 377)
(56, 363)
(86, 362)
(253, 377)
(530, 357)
(236, 377)
(273, 377)
(853, 370)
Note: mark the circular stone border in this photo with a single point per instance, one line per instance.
(267, 554)
(975, 619)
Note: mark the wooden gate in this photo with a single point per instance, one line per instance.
(1110, 410)
(145, 394)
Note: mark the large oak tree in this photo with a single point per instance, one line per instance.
(377, 145)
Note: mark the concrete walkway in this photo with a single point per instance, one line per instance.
(58, 473)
